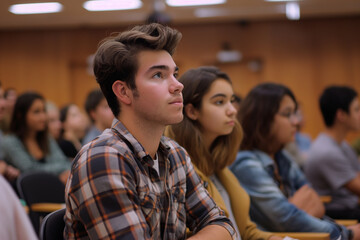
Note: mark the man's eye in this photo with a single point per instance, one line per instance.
(158, 75)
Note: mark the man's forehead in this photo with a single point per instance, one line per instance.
(150, 59)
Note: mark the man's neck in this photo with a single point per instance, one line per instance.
(146, 133)
(338, 133)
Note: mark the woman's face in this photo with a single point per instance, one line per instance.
(283, 128)
(217, 113)
(75, 121)
(36, 118)
(54, 123)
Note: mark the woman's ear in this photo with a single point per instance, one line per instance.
(191, 111)
(122, 91)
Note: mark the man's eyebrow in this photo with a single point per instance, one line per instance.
(162, 67)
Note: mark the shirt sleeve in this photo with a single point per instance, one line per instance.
(267, 201)
(333, 168)
(201, 208)
(102, 196)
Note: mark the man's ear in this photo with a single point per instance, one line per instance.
(341, 115)
(122, 92)
(191, 112)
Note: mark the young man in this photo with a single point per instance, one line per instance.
(332, 166)
(131, 182)
(99, 113)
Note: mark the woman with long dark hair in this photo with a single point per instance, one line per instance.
(281, 199)
(29, 147)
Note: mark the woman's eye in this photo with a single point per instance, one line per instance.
(219, 102)
(176, 75)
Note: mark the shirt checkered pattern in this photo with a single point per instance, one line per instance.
(113, 192)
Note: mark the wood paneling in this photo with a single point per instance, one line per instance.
(305, 55)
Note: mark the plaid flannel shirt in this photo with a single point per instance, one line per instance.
(113, 192)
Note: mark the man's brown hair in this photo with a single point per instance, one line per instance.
(116, 57)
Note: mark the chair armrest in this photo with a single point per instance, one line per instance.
(304, 235)
(46, 207)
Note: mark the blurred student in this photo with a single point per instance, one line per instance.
(333, 167)
(14, 222)
(74, 125)
(54, 123)
(99, 113)
(8, 171)
(29, 147)
(211, 135)
(281, 199)
(132, 182)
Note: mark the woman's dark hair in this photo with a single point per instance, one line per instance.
(19, 126)
(257, 112)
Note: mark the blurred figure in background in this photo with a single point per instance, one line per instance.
(14, 222)
(281, 199)
(54, 123)
(99, 113)
(74, 125)
(10, 96)
(8, 171)
(29, 147)
(333, 167)
(300, 147)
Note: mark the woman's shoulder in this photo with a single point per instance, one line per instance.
(11, 139)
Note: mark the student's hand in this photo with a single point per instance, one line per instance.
(11, 173)
(64, 176)
(309, 201)
(356, 231)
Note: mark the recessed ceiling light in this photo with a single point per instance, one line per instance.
(111, 5)
(36, 8)
(293, 11)
(182, 3)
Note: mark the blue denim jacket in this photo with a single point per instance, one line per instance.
(270, 208)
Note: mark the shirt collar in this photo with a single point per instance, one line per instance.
(136, 146)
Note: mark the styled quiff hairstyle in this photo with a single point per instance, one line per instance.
(116, 57)
(197, 82)
(257, 113)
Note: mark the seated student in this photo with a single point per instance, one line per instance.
(74, 124)
(132, 182)
(211, 135)
(8, 171)
(54, 123)
(99, 113)
(281, 199)
(14, 222)
(28, 147)
(333, 167)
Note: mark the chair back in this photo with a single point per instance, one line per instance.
(40, 187)
(52, 226)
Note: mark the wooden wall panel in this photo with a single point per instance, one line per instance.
(306, 55)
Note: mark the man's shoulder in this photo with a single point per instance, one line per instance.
(323, 146)
(106, 142)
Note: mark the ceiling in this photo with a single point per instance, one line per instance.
(74, 15)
